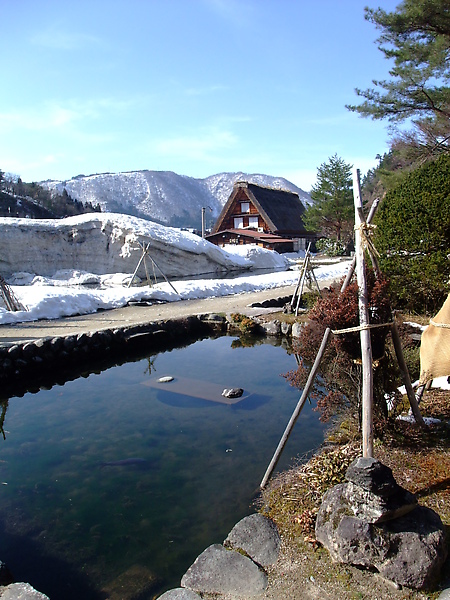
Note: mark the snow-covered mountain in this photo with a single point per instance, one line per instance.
(163, 196)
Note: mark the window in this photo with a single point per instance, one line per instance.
(238, 222)
(245, 207)
(253, 222)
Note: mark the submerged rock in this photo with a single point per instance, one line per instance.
(232, 392)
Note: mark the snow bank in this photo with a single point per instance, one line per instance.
(47, 298)
(107, 243)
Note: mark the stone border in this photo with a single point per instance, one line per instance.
(45, 362)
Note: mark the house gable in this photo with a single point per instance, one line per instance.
(278, 211)
(240, 212)
(265, 216)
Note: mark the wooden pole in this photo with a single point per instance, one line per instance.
(302, 283)
(300, 276)
(312, 373)
(366, 346)
(405, 375)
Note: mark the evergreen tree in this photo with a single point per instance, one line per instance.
(413, 237)
(417, 38)
(331, 215)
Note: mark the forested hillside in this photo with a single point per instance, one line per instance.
(31, 200)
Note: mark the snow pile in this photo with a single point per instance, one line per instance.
(47, 298)
(260, 258)
(107, 243)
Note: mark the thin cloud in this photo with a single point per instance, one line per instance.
(237, 12)
(205, 91)
(31, 119)
(61, 115)
(59, 39)
(198, 147)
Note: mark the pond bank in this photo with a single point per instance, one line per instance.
(64, 350)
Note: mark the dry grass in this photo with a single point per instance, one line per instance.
(420, 462)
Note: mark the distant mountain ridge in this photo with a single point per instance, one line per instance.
(164, 196)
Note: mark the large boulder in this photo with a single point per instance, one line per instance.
(221, 571)
(21, 591)
(372, 522)
(258, 537)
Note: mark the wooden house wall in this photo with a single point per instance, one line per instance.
(236, 212)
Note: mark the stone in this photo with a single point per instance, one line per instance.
(376, 509)
(286, 328)
(271, 327)
(21, 591)
(419, 549)
(297, 329)
(258, 537)
(405, 543)
(213, 317)
(221, 571)
(372, 475)
(232, 392)
(180, 594)
(14, 351)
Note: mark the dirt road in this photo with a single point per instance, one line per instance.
(137, 315)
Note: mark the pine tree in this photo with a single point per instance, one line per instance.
(413, 237)
(331, 215)
(417, 38)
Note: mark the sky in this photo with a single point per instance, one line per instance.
(197, 87)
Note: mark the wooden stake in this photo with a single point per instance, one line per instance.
(366, 346)
(300, 276)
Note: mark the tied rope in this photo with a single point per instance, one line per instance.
(365, 231)
(443, 325)
(361, 328)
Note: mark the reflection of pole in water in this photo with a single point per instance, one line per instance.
(151, 365)
(2, 418)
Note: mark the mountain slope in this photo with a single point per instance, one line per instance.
(163, 196)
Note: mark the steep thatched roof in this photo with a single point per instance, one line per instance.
(282, 210)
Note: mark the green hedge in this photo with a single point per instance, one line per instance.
(413, 237)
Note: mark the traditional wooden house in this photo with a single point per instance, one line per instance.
(264, 216)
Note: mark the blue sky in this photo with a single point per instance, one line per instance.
(192, 86)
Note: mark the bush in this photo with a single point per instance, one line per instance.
(340, 389)
(331, 247)
(413, 237)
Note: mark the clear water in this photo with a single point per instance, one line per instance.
(75, 529)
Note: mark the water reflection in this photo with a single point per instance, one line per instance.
(116, 481)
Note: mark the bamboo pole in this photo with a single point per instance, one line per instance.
(405, 375)
(144, 251)
(366, 346)
(305, 392)
(300, 276)
(302, 283)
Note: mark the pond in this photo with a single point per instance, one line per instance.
(112, 484)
